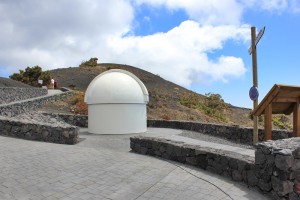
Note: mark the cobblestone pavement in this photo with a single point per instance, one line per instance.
(102, 167)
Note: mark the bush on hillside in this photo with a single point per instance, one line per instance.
(31, 75)
(213, 105)
(78, 104)
(90, 63)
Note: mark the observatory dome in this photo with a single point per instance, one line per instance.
(116, 103)
(116, 86)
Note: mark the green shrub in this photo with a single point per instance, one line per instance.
(213, 105)
(90, 63)
(281, 121)
(31, 75)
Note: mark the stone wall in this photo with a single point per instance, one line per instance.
(278, 163)
(16, 108)
(233, 133)
(12, 94)
(275, 171)
(38, 131)
(41, 131)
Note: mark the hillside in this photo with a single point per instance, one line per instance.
(6, 82)
(165, 96)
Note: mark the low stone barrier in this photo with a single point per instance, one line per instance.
(275, 170)
(12, 94)
(41, 131)
(233, 133)
(278, 165)
(16, 108)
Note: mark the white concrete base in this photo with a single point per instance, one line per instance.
(117, 118)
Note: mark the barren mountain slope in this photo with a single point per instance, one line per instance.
(164, 95)
(6, 82)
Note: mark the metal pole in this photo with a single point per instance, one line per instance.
(255, 83)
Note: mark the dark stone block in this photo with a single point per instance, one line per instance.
(266, 187)
(202, 161)
(224, 160)
(284, 162)
(282, 187)
(233, 163)
(242, 165)
(151, 152)
(165, 155)
(237, 175)
(162, 149)
(157, 153)
(143, 150)
(270, 160)
(181, 159)
(191, 161)
(177, 150)
(252, 180)
(155, 145)
(294, 196)
(260, 157)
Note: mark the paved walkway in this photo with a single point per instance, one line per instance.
(102, 167)
(53, 92)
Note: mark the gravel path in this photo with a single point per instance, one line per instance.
(209, 138)
(38, 117)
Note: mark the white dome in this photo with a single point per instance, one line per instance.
(116, 86)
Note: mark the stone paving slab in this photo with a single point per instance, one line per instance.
(102, 167)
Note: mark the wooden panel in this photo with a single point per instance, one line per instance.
(277, 108)
(266, 101)
(282, 97)
(285, 99)
(296, 120)
(268, 122)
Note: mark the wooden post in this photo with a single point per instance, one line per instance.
(268, 122)
(255, 83)
(296, 120)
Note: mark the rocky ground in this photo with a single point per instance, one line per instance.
(39, 117)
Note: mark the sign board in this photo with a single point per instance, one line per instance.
(40, 82)
(258, 37)
(253, 93)
(260, 34)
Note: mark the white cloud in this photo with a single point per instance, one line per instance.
(274, 4)
(220, 12)
(51, 33)
(295, 5)
(269, 5)
(62, 33)
(180, 55)
(213, 12)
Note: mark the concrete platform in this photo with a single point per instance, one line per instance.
(102, 167)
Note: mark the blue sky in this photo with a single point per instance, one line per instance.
(198, 44)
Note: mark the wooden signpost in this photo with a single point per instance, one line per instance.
(253, 91)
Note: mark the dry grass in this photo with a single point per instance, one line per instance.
(77, 103)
